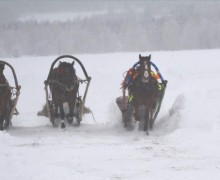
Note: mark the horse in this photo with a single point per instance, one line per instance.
(5, 96)
(64, 86)
(144, 91)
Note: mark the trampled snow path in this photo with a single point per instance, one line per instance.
(184, 144)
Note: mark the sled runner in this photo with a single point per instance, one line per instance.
(8, 97)
(62, 86)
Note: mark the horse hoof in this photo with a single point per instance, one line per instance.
(63, 126)
(78, 120)
(54, 125)
(129, 128)
(70, 120)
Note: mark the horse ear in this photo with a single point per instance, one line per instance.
(150, 57)
(139, 56)
(73, 63)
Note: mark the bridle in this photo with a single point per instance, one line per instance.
(145, 74)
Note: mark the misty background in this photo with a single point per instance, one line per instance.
(55, 27)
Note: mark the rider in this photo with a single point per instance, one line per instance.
(132, 73)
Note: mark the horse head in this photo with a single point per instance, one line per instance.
(67, 73)
(144, 68)
(66, 67)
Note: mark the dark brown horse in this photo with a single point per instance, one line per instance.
(5, 95)
(64, 86)
(144, 91)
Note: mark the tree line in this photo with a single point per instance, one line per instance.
(153, 27)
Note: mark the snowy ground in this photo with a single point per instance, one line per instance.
(184, 144)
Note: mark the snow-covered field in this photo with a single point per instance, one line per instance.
(184, 144)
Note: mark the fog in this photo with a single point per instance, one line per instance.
(69, 27)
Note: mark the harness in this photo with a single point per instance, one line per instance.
(59, 76)
(134, 73)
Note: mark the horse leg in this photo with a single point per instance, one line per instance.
(151, 119)
(142, 117)
(4, 119)
(53, 110)
(71, 111)
(56, 115)
(71, 105)
(1, 123)
(147, 118)
(62, 114)
(136, 113)
(1, 114)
